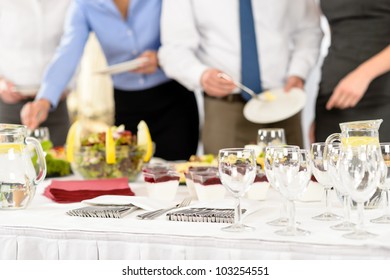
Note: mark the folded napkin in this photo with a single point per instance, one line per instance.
(77, 190)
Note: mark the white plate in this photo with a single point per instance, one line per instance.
(123, 67)
(283, 106)
(26, 90)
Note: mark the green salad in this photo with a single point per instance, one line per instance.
(90, 159)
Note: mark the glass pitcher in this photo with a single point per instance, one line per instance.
(357, 133)
(18, 178)
(360, 133)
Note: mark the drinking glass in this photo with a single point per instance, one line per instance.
(268, 168)
(41, 134)
(385, 185)
(361, 168)
(319, 165)
(270, 137)
(292, 175)
(237, 169)
(333, 154)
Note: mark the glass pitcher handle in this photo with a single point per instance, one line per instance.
(333, 138)
(41, 159)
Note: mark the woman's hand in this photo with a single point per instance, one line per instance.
(349, 90)
(34, 113)
(150, 65)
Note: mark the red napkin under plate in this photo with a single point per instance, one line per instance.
(78, 190)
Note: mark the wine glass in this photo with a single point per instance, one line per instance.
(319, 166)
(292, 175)
(361, 168)
(270, 137)
(333, 155)
(385, 186)
(41, 134)
(237, 169)
(268, 160)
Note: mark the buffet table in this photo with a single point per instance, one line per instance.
(45, 231)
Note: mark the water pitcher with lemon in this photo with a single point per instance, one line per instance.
(355, 134)
(18, 177)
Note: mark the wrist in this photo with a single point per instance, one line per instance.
(45, 104)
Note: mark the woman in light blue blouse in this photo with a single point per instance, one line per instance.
(126, 29)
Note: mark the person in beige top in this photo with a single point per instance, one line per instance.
(30, 31)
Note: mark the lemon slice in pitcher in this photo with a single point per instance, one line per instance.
(6, 147)
(110, 147)
(144, 140)
(355, 141)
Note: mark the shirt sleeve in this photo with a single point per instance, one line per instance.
(307, 36)
(67, 56)
(180, 41)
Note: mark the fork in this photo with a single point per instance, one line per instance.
(156, 213)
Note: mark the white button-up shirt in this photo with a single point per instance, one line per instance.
(30, 31)
(198, 34)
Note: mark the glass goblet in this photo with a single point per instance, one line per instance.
(319, 166)
(237, 170)
(283, 218)
(361, 168)
(292, 175)
(385, 185)
(41, 134)
(270, 137)
(333, 155)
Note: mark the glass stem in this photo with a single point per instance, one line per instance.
(327, 199)
(237, 213)
(387, 202)
(347, 208)
(360, 224)
(283, 210)
(291, 220)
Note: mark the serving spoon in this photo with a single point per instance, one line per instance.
(260, 96)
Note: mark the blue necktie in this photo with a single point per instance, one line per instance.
(250, 71)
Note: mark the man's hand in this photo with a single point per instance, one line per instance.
(7, 93)
(34, 113)
(150, 66)
(294, 82)
(349, 91)
(214, 85)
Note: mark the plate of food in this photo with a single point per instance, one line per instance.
(279, 105)
(26, 90)
(123, 67)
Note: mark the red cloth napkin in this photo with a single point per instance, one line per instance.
(78, 190)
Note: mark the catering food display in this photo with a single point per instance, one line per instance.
(98, 158)
(162, 181)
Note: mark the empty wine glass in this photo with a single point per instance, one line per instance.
(385, 186)
(237, 169)
(270, 137)
(40, 133)
(333, 155)
(268, 168)
(319, 166)
(292, 172)
(361, 168)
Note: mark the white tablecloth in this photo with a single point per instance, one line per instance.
(44, 231)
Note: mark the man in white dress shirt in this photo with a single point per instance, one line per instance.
(201, 38)
(30, 31)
